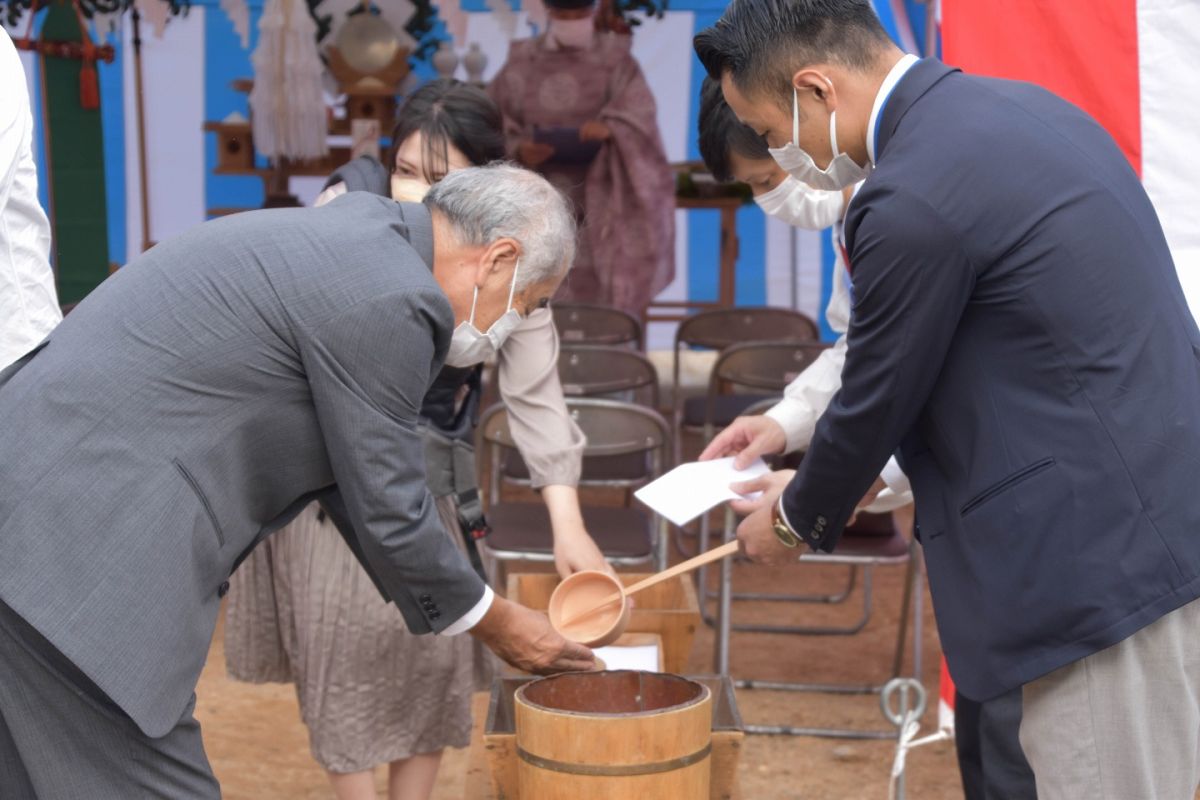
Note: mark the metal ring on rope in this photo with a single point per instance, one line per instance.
(899, 689)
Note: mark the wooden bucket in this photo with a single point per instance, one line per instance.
(617, 734)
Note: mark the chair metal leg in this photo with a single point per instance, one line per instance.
(724, 601)
(915, 558)
(810, 630)
(906, 602)
(702, 541)
(824, 599)
(662, 544)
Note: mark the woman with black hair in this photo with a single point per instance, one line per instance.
(302, 610)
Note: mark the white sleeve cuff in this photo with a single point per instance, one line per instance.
(798, 420)
(471, 618)
(895, 478)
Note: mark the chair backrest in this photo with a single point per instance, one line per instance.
(762, 366)
(627, 444)
(613, 372)
(724, 327)
(579, 323)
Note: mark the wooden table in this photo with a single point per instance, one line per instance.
(675, 310)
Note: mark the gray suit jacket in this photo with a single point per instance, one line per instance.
(193, 404)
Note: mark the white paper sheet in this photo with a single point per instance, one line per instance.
(689, 490)
(642, 656)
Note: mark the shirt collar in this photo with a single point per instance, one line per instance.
(885, 90)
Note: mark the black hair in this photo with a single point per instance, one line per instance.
(761, 43)
(723, 134)
(448, 113)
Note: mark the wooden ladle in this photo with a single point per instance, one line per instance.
(621, 593)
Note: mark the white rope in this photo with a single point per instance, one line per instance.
(907, 741)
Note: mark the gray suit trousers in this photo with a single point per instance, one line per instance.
(1123, 723)
(61, 738)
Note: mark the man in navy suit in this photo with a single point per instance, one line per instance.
(1020, 339)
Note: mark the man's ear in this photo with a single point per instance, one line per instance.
(813, 83)
(499, 256)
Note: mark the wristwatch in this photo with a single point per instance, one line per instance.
(779, 524)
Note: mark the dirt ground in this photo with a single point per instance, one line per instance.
(259, 749)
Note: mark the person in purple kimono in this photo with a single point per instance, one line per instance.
(577, 108)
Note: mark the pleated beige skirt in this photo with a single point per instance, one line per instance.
(301, 609)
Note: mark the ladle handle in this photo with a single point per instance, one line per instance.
(717, 553)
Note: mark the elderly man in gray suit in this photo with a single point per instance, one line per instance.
(195, 402)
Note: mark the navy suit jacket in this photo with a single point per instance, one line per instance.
(1019, 334)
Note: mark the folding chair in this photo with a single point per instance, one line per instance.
(764, 367)
(723, 328)
(581, 323)
(628, 446)
(613, 372)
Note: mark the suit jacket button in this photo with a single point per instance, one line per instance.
(821, 522)
(435, 614)
(426, 598)
(223, 589)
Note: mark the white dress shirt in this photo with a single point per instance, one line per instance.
(806, 398)
(28, 302)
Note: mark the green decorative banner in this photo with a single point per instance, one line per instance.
(75, 161)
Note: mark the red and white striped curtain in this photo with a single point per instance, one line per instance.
(1134, 65)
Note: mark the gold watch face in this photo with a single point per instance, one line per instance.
(784, 533)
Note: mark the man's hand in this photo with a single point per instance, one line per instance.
(523, 638)
(534, 154)
(756, 535)
(747, 438)
(594, 131)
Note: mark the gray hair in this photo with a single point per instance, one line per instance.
(484, 204)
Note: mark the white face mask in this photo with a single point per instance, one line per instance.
(408, 190)
(573, 33)
(842, 170)
(468, 346)
(798, 205)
